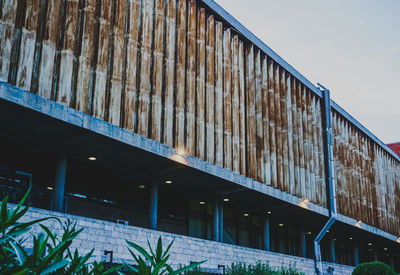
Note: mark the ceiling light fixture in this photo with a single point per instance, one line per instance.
(369, 244)
(350, 238)
(281, 224)
(246, 214)
(168, 181)
(226, 199)
(202, 202)
(142, 186)
(269, 212)
(309, 232)
(49, 188)
(92, 158)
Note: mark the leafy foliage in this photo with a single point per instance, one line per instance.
(157, 261)
(373, 268)
(261, 269)
(49, 253)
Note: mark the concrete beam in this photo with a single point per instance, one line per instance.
(59, 183)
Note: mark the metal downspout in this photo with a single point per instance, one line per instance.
(329, 177)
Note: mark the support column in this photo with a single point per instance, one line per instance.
(153, 209)
(333, 252)
(217, 220)
(303, 242)
(221, 222)
(266, 231)
(375, 255)
(59, 183)
(392, 261)
(356, 255)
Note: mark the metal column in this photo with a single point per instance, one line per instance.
(303, 242)
(221, 222)
(356, 254)
(333, 251)
(153, 209)
(59, 183)
(266, 229)
(217, 220)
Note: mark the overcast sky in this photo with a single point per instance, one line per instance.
(351, 47)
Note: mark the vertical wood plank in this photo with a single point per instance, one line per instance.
(116, 85)
(191, 79)
(250, 114)
(85, 75)
(69, 54)
(145, 66)
(180, 75)
(27, 45)
(271, 114)
(278, 128)
(284, 130)
(306, 190)
(296, 158)
(227, 51)
(219, 111)
(301, 189)
(101, 82)
(7, 30)
(200, 84)
(170, 45)
(289, 106)
(49, 47)
(210, 89)
(242, 110)
(235, 106)
(265, 120)
(259, 118)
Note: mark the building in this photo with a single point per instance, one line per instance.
(141, 118)
(395, 147)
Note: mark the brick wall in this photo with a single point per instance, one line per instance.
(103, 235)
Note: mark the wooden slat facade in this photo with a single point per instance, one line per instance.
(171, 71)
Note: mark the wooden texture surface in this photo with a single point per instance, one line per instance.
(170, 70)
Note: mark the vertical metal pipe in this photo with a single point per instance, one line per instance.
(333, 251)
(59, 183)
(153, 205)
(266, 229)
(303, 242)
(330, 177)
(216, 221)
(356, 254)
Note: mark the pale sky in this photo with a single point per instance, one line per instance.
(351, 47)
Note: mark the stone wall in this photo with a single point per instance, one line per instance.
(103, 235)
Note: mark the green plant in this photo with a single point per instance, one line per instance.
(48, 254)
(157, 261)
(261, 269)
(373, 268)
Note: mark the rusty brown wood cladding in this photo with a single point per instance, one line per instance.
(170, 71)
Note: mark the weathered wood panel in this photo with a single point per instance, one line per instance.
(49, 47)
(250, 114)
(235, 105)
(242, 111)
(191, 79)
(265, 121)
(227, 106)
(259, 118)
(219, 95)
(271, 113)
(7, 30)
(103, 59)
(170, 45)
(210, 89)
(201, 84)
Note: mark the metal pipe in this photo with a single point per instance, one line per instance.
(329, 177)
(59, 182)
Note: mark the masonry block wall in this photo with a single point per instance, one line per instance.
(103, 235)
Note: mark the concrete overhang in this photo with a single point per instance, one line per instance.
(47, 123)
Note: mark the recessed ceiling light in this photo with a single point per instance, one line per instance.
(327, 231)
(281, 224)
(142, 186)
(246, 214)
(369, 244)
(49, 188)
(309, 232)
(334, 240)
(350, 238)
(385, 248)
(92, 158)
(269, 212)
(202, 202)
(168, 181)
(226, 199)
